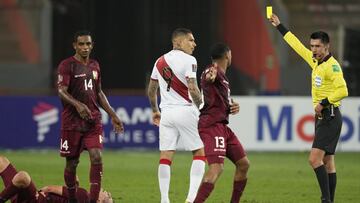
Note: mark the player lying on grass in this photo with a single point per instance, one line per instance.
(18, 187)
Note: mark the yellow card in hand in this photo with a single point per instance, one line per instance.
(268, 11)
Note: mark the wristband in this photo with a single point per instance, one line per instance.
(282, 29)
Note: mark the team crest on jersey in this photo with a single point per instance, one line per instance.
(194, 67)
(336, 68)
(318, 81)
(95, 75)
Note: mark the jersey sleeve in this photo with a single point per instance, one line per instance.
(155, 72)
(191, 68)
(300, 49)
(99, 72)
(339, 84)
(63, 74)
(81, 194)
(65, 192)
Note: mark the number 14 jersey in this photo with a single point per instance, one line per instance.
(83, 81)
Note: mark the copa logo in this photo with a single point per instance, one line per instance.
(45, 115)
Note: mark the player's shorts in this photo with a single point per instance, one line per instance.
(327, 131)
(73, 142)
(176, 123)
(220, 142)
(25, 195)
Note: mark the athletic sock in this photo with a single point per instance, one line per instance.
(332, 185)
(70, 182)
(196, 174)
(204, 192)
(238, 188)
(164, 179)
(323, 180)
(95, 181)
(9, 192)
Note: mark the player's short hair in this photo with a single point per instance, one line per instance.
(219, 50)
(180, 32)
(81, 33)
(323, 36)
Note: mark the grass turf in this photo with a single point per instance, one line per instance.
(131, 176)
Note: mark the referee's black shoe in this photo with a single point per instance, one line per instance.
(323, 200)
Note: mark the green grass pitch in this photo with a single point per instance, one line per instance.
(131, 176)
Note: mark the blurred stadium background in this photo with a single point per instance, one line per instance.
(269, 80)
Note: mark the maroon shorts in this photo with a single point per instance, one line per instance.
(25, 195)
(73, 142)
(220, 142)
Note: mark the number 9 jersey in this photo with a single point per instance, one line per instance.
(171, 71)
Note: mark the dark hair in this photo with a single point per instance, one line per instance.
(219, 50)
(81, 33)
(323, 36)
(179, 32)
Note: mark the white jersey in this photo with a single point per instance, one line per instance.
(171, 71)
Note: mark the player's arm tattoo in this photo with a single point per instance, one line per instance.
(194, 91)
(152, 94)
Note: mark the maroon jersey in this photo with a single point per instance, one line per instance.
(216, 94)
(82, 82)
(82, 196)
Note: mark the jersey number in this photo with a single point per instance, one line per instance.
(219, 142)
(88, 84)
(64, 145)
(168, 75)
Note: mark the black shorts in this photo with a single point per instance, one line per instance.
(327, 130)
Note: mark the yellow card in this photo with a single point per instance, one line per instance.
(268, 11)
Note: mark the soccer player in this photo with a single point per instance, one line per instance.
(20, 188)
(175, 74)
(219, 140)
(79, 87)
(328, 89)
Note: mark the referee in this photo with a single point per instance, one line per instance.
(328, 88)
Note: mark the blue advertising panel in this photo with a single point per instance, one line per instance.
(34, 122)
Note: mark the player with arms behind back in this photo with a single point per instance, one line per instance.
(79, 87)
(219, 140)
(175, 73)
(328, 89)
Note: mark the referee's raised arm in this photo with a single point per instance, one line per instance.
(276, 22)
(293, 41)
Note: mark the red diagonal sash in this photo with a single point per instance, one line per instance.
(171, 79)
